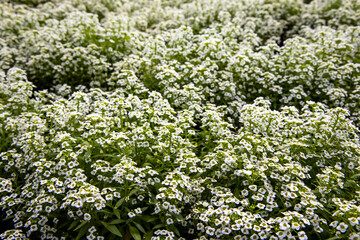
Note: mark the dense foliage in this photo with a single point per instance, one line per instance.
(180, 119)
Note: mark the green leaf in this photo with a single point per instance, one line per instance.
(87, 154)
(80, 225)
(146, 164)
(132, 192)
(117, 221)
(334, 238)
(119, 203)
(117, 213)
(350, 183)
(355, 176)
(134, 233)
(179, 216)
(148, 235)
(175, 230)
(237, 193)
(83, 231)
(159, 226)
(73, 224)
(106, 212)
(62, 225)
(148, 219)
(113, 229)
(139, 227)
(108, 155)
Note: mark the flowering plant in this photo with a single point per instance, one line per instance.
(180, 119)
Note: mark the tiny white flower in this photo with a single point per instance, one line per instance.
(131, 214)
(169, 221)
(87, 217)
(342, 227)
(302, 235)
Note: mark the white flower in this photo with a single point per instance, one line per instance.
(296, 226)
(354, 236)
(353, 221)
(169, 221)
(210, 231)
(253, 187)
(138, 211)
(342, 227)
(302, 235)
(334, 224)
(87, 217)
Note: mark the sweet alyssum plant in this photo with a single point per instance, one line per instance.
(180, 119)
(110, 164)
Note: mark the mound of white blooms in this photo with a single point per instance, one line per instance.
(115, 163)
(223, 52)
(180, 119)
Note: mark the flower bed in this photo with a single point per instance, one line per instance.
(180, 119)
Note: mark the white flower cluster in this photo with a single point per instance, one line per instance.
(110, 154)
(226, 52)
(178, 119)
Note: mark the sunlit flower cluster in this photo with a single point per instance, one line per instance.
(177, 119)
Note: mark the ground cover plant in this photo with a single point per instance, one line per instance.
(180, 119)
